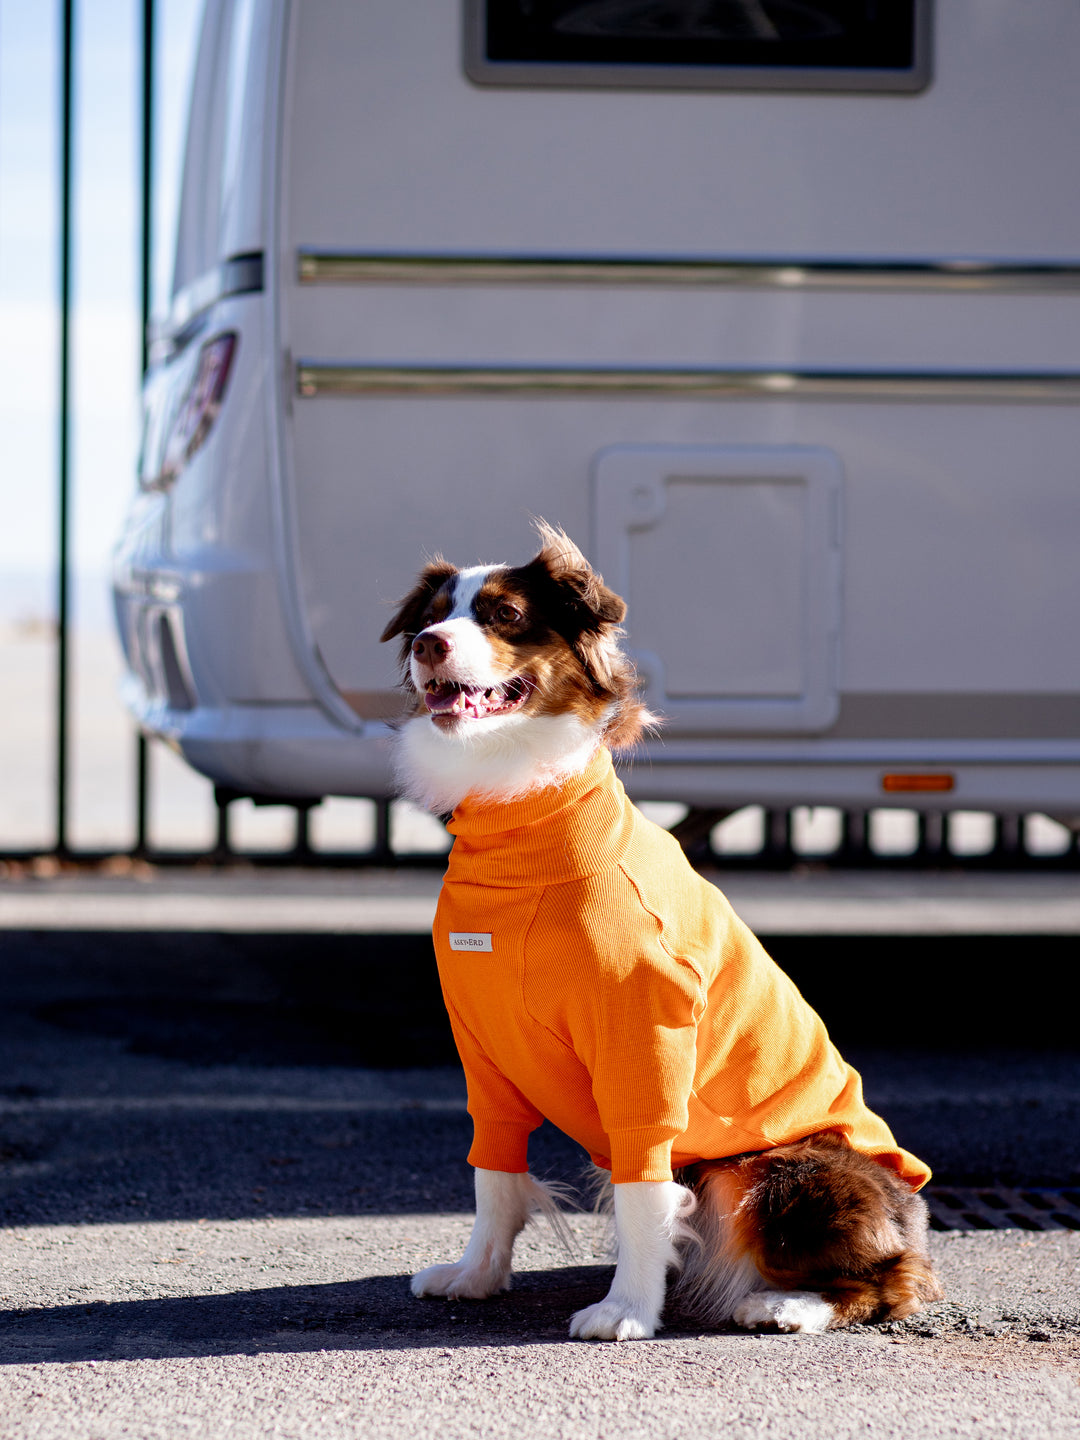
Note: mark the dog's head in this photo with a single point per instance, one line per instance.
(489, 647)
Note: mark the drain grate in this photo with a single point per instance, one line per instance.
(986, 1207)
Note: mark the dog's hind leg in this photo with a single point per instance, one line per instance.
(504, 1204)
(649, 1224)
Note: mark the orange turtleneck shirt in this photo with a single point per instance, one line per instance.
(593, 978)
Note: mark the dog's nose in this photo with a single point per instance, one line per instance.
(430, 646)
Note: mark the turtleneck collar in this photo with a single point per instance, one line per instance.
(550, 835)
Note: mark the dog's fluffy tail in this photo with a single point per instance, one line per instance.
(547, 1198)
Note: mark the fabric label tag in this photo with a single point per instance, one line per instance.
(469, 940)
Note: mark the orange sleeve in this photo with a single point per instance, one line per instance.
(634, 1028)
(502, 1118)
(641, 1117)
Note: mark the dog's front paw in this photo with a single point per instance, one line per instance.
(460, 1282)
(613, 1319)
(786, 1310)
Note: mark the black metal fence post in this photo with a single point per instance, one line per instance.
(63, 560)
(382, 847)
(146, 181)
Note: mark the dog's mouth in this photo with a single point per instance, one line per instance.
(446, 700)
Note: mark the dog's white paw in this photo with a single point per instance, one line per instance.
(459, 1282)
(787, 1310)
(613, 1320)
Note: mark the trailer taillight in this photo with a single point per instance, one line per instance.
(198, 409)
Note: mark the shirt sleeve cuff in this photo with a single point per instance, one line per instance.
(498, 1145)
(638, 1155)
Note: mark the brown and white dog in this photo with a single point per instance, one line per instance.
(519, 677)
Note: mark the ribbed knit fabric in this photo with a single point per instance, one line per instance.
(622, 998)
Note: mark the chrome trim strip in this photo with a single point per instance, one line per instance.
(319, 267)
(314, 378)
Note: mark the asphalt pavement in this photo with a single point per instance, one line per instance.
(222, 1152)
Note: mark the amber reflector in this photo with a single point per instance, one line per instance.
(909, 783)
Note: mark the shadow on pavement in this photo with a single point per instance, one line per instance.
(374, 1001)
(373, 1313)
(240, 999)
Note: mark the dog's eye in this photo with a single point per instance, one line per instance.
(507, 614)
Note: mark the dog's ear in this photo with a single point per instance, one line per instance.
(590, 612)
(592, 616)
(582, 586)
(410, 611)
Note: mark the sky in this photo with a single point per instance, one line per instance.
(105, 333)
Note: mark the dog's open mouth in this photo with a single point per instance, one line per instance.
(447, 700)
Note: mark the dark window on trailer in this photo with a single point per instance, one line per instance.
(833, 44)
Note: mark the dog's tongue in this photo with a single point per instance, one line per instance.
(453, 700)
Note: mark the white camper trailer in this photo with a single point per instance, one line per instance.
(774, 305)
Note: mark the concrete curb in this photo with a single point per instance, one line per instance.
(395, 902)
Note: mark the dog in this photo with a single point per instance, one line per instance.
(592, 978)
